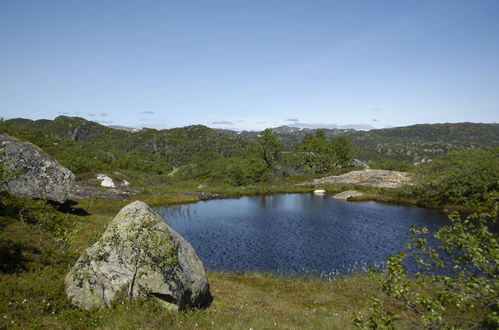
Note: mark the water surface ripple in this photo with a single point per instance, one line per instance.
(295, 233)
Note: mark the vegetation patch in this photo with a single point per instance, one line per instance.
(39, 241)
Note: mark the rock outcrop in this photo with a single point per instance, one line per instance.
(367, 177)
(33, 173)
(139, 255)
(345, 195)
(358, 163)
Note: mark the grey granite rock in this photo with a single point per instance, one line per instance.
(33, 173)
(139, 255)
(345, 195)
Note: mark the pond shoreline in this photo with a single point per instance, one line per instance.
(366, 197)
(295, 233)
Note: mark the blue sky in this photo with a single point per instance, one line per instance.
(251, 64)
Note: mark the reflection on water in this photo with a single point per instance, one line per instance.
(185, 211)
(300, 233)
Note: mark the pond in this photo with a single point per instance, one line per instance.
(296, 233)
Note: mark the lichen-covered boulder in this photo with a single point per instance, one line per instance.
(139, 255)
(32, 173)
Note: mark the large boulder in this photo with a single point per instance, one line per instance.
(33, 173)
(139, 255)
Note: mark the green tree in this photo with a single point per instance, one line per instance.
(316, 152)
(246, 171)
(269, 149)
(464, 177)
(467, 250)
(322, 155)
(465, 299)
(344, 150)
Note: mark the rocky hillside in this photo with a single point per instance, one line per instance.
(178, 146)
(416, 143)
(62, 127)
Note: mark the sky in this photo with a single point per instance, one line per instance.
(251, 64)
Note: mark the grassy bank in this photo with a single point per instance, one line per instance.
(33, 294)
(241, 301)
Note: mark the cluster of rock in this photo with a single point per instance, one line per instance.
(30, 172)
(106, 181)
(358, 163)
(139, 255)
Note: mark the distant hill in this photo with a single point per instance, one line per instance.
(416, 143)
(288, 134)
(125, 128)
(62, 127)
(420, 143)
(178, 145)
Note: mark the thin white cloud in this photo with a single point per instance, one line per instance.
(316, 125)
(222, 122)
(358, 126)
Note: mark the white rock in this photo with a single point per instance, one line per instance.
(125, 183)
(319, 192)
(105, 181)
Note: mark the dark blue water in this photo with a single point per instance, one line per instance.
(296, 233)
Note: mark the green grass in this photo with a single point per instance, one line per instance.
(241, 301)
(262, 301)
(33, 295)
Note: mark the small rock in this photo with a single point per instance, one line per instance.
(319, 192)
(106, 181)
(345, 195)
(358, 163)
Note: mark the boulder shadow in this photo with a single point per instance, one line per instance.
(12, 258)
(67, 207)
